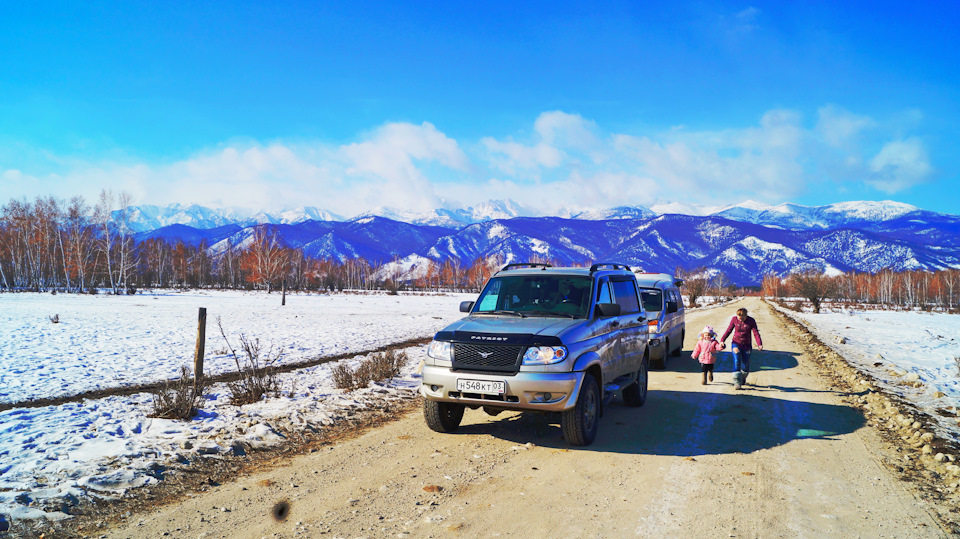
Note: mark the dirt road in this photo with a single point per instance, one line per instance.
(784, 458)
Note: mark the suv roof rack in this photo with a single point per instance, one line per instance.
(525, 265)
(609, 265)
(660, 276)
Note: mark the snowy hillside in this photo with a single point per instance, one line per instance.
(745, 242)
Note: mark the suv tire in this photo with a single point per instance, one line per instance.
(679, 348)
(635, 394)
(442, 416)
(580, 422)
(660, 364)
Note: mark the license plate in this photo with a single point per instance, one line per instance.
(484, 387)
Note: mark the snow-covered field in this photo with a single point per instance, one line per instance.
(51, 456)
(912, 354)
(114, 341)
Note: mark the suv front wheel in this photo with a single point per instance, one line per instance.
(442, 416)
(580, 423)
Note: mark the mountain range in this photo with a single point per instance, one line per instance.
(744, 242)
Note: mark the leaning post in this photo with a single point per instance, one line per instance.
(198, 355)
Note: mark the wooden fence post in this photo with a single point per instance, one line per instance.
(198, 355)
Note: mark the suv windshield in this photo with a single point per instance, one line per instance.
(652, 299)
(537, 295)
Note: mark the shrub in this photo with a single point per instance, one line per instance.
(380, 366)
(343, 377)
(258, 376)
(55, 318)
(179, 399)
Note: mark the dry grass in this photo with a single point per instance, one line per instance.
(180, 398)
(258, 375)
(379, 366)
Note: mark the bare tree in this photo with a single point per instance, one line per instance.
(695, 283)
(126, 254)
(264, 259)
(813, 285)
(107, 237)
(78, 241)
(951, 280)
(720, 283)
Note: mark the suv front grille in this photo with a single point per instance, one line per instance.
(486, 357)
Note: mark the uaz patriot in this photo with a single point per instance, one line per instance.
(544, 339)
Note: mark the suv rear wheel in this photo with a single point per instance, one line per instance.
(679, 349)
(636, 393)
(580, 422)
(442, 416)
(660, 364)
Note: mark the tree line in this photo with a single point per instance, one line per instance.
(926, 290)
(50, 244)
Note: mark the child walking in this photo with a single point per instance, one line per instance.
(706, 352)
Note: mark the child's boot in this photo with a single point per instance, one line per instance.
(710, 375)
(704, 382)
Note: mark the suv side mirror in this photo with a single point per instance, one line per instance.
(604, 310)
(466, 306)
(672, 307)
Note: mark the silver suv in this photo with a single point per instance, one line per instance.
(660, 295)
(544, 339)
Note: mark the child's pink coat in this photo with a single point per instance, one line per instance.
(706, 351)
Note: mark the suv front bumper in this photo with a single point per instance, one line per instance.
(547, 392)
(657, 346)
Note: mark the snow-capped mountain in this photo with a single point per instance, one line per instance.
(620, 212)
(797, 217)
(745, 242)
(786, 216)
(455, 218)
(145, 218)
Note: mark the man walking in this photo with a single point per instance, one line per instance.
(742, 326)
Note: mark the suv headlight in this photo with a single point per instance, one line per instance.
(441, 350)
(544, 355)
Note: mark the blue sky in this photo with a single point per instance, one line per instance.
(349, 106)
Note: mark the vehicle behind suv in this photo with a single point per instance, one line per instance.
(660, 294)
(545, 339)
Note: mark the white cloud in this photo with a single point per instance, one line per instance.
(840, 128)
(567, 161)
(557, 128)
(512, 156)
(392, 150)
(757, 162)
(560, 136)
(745, 21)
(385, 170)
(900, 165)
